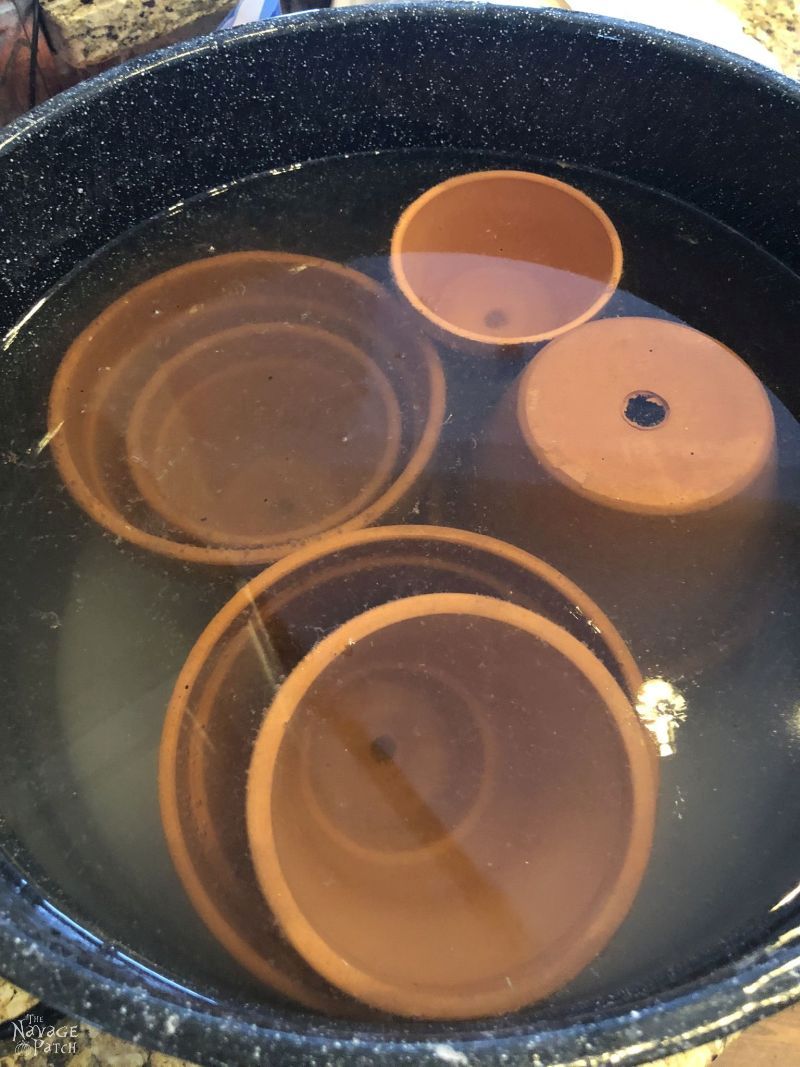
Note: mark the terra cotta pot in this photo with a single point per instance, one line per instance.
(505, 257)
(524, 838)
(639, 456)
(235, 407)
(238, 664)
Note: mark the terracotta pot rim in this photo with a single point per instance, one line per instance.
(605, 916)
(212, 915)
(113, 521)
(334, 542)
(242, 601)
(768, 459)
(491, 341)
(148, 484)
(202, 899)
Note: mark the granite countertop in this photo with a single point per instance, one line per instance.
(94, 31)
(775, 24)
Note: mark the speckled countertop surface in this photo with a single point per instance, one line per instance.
(92, 31)
(776, 1043)
(776, 24)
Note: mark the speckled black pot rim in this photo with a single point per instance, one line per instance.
(314, 21)
(73, 969)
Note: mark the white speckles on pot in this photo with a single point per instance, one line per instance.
(448, 1054)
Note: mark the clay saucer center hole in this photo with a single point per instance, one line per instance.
(495, 319)
(383, 748)
(645, 410)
